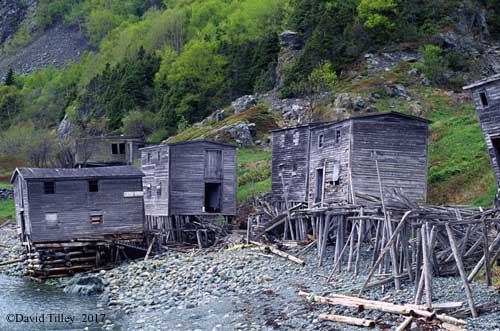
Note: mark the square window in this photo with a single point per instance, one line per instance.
(49, 187)
(51, 219)
(122, 148)
(114, 149)
(93, 186)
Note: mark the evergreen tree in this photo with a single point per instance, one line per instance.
(9, 79)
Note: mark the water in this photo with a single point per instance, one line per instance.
(29, 306)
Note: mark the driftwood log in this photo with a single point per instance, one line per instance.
(347, 320)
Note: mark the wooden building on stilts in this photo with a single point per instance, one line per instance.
(70, 219)
(335, 163)
(185, 182)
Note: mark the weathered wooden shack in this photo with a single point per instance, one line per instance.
(290, 164)
(486, 96)
(331, 162)
(71, 220)
(58, 205)
(186, 180)
(108, 151)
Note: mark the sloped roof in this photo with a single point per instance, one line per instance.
(73, 173)
(322, 124)
(483, 81)
(188, 142)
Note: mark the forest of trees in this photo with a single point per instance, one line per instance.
(163, 64)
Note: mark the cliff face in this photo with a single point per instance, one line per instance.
(55, 46)
(12, 15)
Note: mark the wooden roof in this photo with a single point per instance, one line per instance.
(353, 118)
(482, 82)
(75, 173)
(189, 142)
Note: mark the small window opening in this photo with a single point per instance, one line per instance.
(140, 146)
(93, 186)
(320, 140)
(149, 157)
(319, 186)
(337, 182)
(49, 187)
(337, 136)
(148, 191)
(295, 166)
(159, 156)
(96, 219)
(114, 149)
(158, 190)
(484, 99)
(122, 148)
(51, 220)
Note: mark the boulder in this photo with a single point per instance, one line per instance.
(84, 285)
(395, 91)
(343, 100)
(241, 132)
(359, 103)
(243, 103)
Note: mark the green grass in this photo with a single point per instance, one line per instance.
(246, 192)
(254, 172)
(5, 185)
(7, 209)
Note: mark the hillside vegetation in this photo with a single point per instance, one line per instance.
(162, 66)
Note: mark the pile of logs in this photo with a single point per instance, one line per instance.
(407, 242)
(410, 311)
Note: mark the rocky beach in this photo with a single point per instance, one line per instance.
(243, 288)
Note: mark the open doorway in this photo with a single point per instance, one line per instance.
(496, 147)
(213, 197)
(319, 185)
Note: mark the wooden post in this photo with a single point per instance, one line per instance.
(461, 270)
(487, 267)
(385, 250)
(427, 274)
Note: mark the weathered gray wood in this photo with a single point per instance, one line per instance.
(461, 270)
(99, 151)
(385, 250)
(66, 214)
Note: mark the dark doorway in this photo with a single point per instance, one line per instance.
(496, 146)
(213, 197)
(319, 185)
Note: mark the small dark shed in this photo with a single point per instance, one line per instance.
(192, 178)
(108, 151)
(57, 205)
(486, 95)
(328, 163)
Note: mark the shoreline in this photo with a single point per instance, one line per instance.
(242, 289)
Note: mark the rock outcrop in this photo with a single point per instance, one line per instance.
(291, 50)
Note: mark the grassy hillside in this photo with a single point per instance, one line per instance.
(459, 166)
